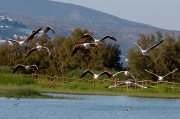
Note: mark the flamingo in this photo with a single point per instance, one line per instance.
(127, 73)
(96, 76)
(84, 45)
(31, 35)
(160, 78)
(26, 67)
(40, 48)
(98, 40)
(44, 32)
(145, 52)
(129, 83)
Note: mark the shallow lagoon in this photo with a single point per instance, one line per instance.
(91, 107)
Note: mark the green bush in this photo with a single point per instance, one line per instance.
(14, 79)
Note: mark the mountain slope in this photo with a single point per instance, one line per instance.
(64, 17)
(9, 27)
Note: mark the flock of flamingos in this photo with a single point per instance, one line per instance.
(79, 47)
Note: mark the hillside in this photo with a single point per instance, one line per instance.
(65, 17)
(8, 27)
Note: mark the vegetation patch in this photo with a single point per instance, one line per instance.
(28, 93)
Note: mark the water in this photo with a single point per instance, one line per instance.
(92, 107)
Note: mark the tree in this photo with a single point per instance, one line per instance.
(161, 59)
(61, 47)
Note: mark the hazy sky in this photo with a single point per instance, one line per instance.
(159, 13)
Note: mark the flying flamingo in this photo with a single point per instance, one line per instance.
(145, 52)
(98, 40)
(44, 32)
(160, 78)
(96, 76)
(40, 48)
(129, 83)
(26, 67)
(85, 46)
(29, 37)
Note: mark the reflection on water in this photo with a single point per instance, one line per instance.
(92, 107)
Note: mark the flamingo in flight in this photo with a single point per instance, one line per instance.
(98, 40)
(29, 37)
(160, 78)
(145, 52)
(129, 83)
(44, 32)
(96, 76)
(84, 45)
(26, 67)
(127, 73)
(40, 48)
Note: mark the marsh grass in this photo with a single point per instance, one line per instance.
(5, 69)
(14, 79)
(28, 93)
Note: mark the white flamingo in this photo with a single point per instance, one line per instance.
(29, 37)
(127, 73)
(129, 83)
(96, 76)
(44, 32)
(145, 52)
(26, 67)
(40, 48)
(84, 45)
(98, 40)
(160, 78)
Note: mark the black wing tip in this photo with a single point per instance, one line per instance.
(72, 54)
(25, 56)
(51, 56)
(161, 41)
(40, 28)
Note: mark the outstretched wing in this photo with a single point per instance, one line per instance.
(75, 49)
(85, 72)
(17, 67)
(117, 73)
(30, 51)
(108, 36)
(154, 45)
(135, 80)
(152, 73)
(47, 29)
(31, 35)
(88, 35)
(34, 66)
(48, 52)
(171, 72)
(107, 73)
(136, 44)
(32, 31)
